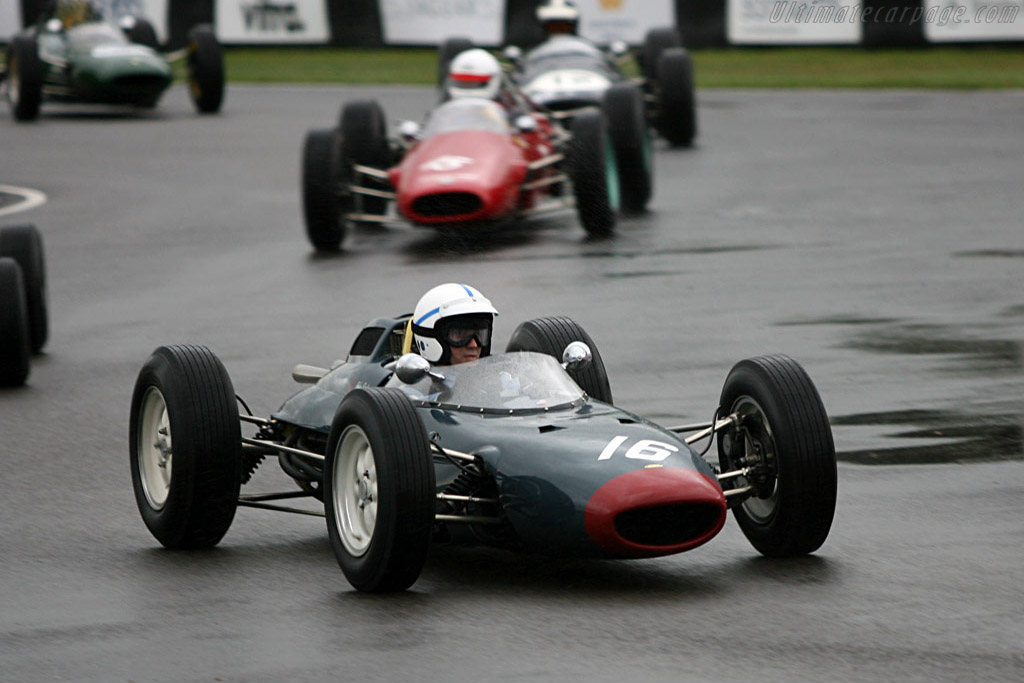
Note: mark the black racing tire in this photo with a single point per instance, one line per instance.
(322, 206)
(364, 140)
(446, 52)
(656, 41)
(594, 174)
(793, 454)
(379, 490)
(15, 338)
(626, 114)
(550, 336)
(143, 33)
(24, 244)
(677, 103)
(205, 69)
(25, 71)
(185, 447)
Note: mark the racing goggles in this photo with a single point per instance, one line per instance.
(459, 333)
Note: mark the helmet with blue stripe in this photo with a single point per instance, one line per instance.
(440, 308)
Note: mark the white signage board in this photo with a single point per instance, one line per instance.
(972, 20)
(604, 21)
(793, 22)
(430, 22)
(10, 19)
(271, 21)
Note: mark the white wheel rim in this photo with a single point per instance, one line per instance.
(760, 510)
(154, 448)
(355, 490)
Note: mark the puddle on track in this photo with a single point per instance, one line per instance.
(990, 431)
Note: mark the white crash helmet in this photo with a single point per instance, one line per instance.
(474, 73)
(436, 310)
(558, 16)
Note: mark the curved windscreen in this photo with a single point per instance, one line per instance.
(466, 114)
(507, 383)
(93, 34)
(565, 53)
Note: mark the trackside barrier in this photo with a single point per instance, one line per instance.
(702, 23)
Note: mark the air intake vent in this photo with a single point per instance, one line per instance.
(667, 525)
(447, 204)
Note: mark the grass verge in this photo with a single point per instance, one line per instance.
(997, 67)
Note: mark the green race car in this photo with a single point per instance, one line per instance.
(100, 62)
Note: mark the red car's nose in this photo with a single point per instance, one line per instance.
(655, 511)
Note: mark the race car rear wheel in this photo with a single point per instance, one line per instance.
(785, 439)
(379, 490)
(550, 336)
(677, 105)
(322, 205)
(15, 337)
(185, 447)
(627, 122)
(24, 244)
(364, 141)
(142, 32)
(594, 175)
(205, 70)
(657, 41)
(446, 52)
(24, 78)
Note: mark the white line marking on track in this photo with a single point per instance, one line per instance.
(29, 199)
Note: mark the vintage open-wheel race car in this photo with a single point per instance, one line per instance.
(99, 61)
(523, 450)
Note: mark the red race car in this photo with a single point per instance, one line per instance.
(472, 163)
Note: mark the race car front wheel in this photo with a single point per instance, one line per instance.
(24, 78)
(15, 348)
(594, 174)
(205, 70)
(784, 440)
(186, 450)
(379, 490)
(550, 336)
(24, 244)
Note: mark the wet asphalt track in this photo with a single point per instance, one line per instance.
(873, 236)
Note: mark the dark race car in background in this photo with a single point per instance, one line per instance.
(100, 62)
(467, 166)
(521, 450)
(566, 74)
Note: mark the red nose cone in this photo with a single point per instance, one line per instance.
(655, 511)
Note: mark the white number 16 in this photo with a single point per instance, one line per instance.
(645, 449)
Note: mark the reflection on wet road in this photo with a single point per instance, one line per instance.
(988, 429)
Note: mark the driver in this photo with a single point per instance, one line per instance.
(74, 12)
(452, 324)
(558, 17)
(477, 73)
